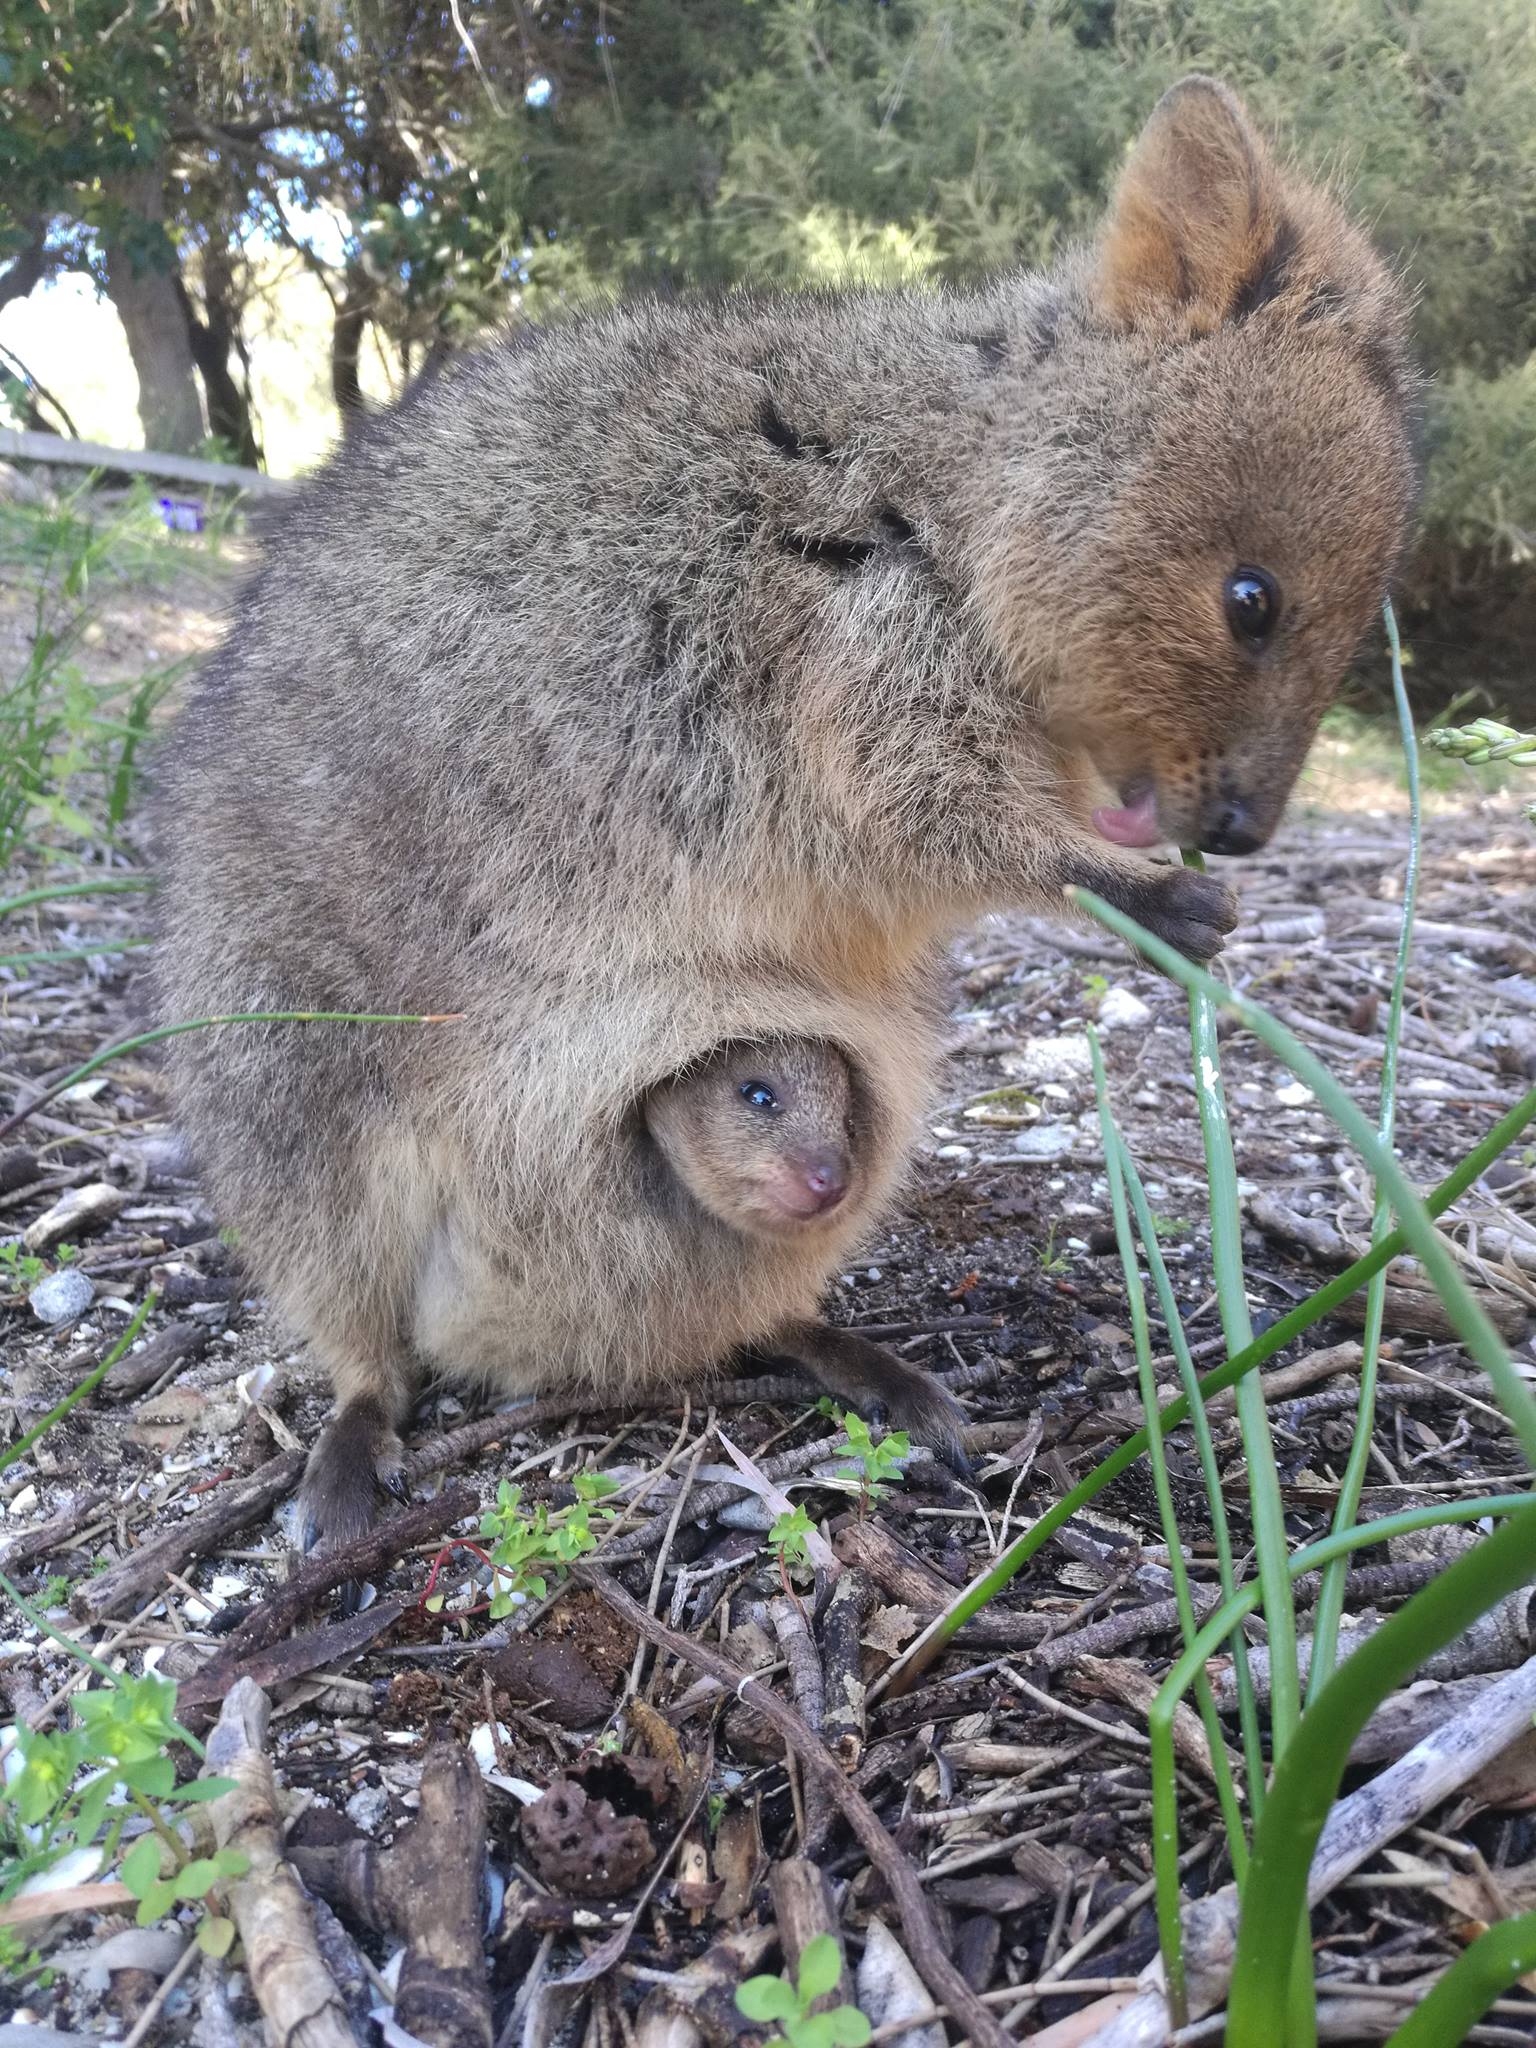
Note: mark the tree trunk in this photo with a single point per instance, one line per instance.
(142, 285)
(351, 325)
(215, 337)
(29, 266)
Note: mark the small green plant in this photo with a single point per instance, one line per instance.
(788, 1540)
(778, 2001)
(1095, 987)
(530, 1545)
(75, 1787)
(20, 1268)
(878, 1464)
(1051, 1260)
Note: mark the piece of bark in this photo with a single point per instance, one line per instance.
(177, 1345)
(900, 1575)
(922, 1936)
(425, 1890)
(434, 1885)
(297, 1994)
(1419, 1312)
(318, 1575)
(233, 1507)
(842, 1681)
(802, 1909)
(321, 1649)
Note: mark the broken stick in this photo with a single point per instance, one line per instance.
(297, 1994)
(137, 1577)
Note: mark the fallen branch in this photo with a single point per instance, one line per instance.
(1356, 1829)
(326, 1569)
(297, 1994)
(927, 1950)
(126, 1585)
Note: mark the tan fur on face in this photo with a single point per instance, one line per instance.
(749, 1165)
(688, 675)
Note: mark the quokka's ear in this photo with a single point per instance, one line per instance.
(1197, 218)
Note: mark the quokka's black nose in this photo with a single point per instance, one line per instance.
(1233, 830)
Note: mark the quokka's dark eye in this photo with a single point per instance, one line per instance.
(761, 1096)
(1253, 605)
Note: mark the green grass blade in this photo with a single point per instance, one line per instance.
(127, 1045)
(1293, 1324)
(1330, 1604)
(1205, 1451)
(1271, 1548)
(1499, 1958)
(1306, 1779)
(109, 885)
(1165, 1828)
(1471, 1324)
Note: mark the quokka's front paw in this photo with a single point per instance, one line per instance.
(1192, 912)
(1187, 910)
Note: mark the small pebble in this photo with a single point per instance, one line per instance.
(369, 1808)
(1119, 1010)
(61, 1296)
(1044, 1142)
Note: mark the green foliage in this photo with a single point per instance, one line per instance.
(529, 1545)
(787, 1539)
(19, 1268)
(77, 1785)
(778, 2001)
(877, 1463)
(69, 747)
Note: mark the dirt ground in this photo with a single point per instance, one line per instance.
(1013, 1778)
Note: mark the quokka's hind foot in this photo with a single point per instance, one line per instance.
(357, 1458)
(880, 1387)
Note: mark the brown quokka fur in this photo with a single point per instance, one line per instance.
(687, 676)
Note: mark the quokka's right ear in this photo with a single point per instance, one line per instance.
(1198, 217)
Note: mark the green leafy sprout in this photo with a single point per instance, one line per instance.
(878, 1462)
(778, 2001)
(527, 1546)
(70, 1788)
(788, 1540)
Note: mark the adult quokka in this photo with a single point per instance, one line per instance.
(689, 676)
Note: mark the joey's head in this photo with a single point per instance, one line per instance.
(763, 1135)
(1236, 481)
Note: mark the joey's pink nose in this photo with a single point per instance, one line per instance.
(826, 1180)
(810, 1183)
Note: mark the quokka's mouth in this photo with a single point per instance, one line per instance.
(1134, 824)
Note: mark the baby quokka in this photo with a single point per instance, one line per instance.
(683, 679)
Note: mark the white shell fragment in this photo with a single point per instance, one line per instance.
(74, 1213)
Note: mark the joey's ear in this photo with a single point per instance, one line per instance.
(1197, 219)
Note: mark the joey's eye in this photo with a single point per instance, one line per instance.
(761, 1096)
(1253, 605)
